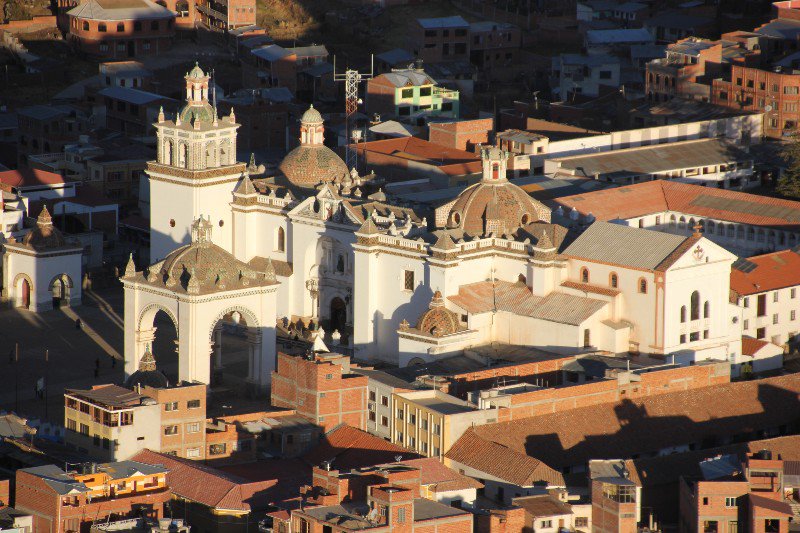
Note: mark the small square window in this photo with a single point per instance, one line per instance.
(193, 404)
(730, 502)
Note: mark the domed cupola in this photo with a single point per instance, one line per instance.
(495, 205)
(312, 163)
(197, 111)
(147, 375)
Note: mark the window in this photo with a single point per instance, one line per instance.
(408, 280)
(424, 91)
(792, 314)
(194, 427)
(372, 395)
(605, 74)
(683, 314)
(401, 515)
(412, 418)
(695, 305)
(193, 404)
(584, 275)
(137, 25)
(775, 296)
(746, 324)
(581, 521)
(762, 305)
(281, 240)
(694, 336)
(613, 281)
(372, 416)
(84, 429)
(643, 286)
(733, 526)
(775, 318)
(385, 401)
(101, 28)
(423, 424)
(85, 26)
(170, 430)
(407, 93)
(435, 451)
(216, 449)
(385, 421)
(171, 406)
(120, 27)
(761, 333)
(400, 437)
(437, 429)
(154, 25)
(399, 413)
(192, 452)
(547, 524)
(730, 502)
(587, 338)
(71, 424)
(683, 339)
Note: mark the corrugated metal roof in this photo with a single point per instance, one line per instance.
(271, 52)
(624, 245)
(133, 96)
(121, 10)
(443, 22)
(633, 35)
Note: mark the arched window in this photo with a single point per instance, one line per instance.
(710, 226)
(613, 281)
(707, 309)
(101, 27)
(120, 27)
(340, 264)
(85, 26)
(683, 314)
(167, 154)
(584, 275)
(672, 221)
(751, 233)
(740, 232)
(183, 156)
(681, 222)
(281, 240)
(694, 304)
(642, 285)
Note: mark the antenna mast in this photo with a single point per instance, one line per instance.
(352, 78)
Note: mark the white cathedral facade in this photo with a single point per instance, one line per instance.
(400, 285)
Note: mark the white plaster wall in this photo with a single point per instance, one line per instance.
(42, 270)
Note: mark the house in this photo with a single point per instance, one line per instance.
(440, 39)
(410, 95)
(584, 74)
(616, 499)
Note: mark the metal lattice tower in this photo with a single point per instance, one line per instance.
(351, 78)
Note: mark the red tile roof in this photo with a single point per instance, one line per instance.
(219, 490)
(502, 462)
(650, 424)
(443, 479)
(751, 346)
(662, 195)
(451, 161)
(29, 177)
(772, 271)
(351, 448)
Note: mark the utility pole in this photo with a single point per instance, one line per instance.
(16, 377)
(46, 381)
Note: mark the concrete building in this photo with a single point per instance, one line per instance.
(64, 501)
(706, 162)
(410, 95)
(440, 39)
(586, 75)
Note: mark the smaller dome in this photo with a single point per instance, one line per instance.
(204, 113)
(311, 116)
(197, 72)
(147, 375)
(45, 234)
(438, 321)
(309, 165)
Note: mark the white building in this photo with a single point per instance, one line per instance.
(396, 284)
(585, 74)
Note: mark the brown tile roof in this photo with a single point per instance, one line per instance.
(500, 461)
(28, 177)
(751, 346)
(219, 490)
(517, 298)
(350, 448)
(661, 195)
(451, 161)
(442, 478)
(666, 469)
(766, 272)
(542, 506)
(650, 424)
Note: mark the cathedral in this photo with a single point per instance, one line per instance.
(319, 244)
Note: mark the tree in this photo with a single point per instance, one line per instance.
(789, 182)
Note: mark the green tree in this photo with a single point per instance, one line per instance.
(789, 182)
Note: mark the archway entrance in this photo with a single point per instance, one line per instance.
(338, 316)
(59, 288)
(24, 294)
(165, 345)
(236, 343)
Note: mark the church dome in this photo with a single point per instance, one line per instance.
(438, 321)
(309, 165)
(495, 205)
(204, 267)
(203, 113)
(312, 163)
(196, 72)
(147, 375)
(45, 234)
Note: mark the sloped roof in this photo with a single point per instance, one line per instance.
(120, 10)
(456, 21)
(502, 462)
(349, 448)
(624, 245)
(30, 177)
(632, 35)
(643, 425)
(766, 272)
(662, 195)
(517, 298)
(442, 478)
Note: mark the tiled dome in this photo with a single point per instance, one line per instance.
(311, 115)
(202, 113)
(309, 165)
(45, 234)
(438, 321)
(147, 374)
(495, 207)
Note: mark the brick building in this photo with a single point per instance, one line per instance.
(226, 14)
(70, 501)
(46, 129)
(494, 47)
(121, 29)
(735, 496)
(321, 389)
(461, 134)
(132, 111)
(440, 39)
(385, 499)
(616, 498)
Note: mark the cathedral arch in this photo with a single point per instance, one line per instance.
(148, 315)
(211, 154)
(23, 289)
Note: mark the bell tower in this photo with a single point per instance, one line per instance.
(195, 171)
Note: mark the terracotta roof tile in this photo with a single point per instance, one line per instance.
(28, 177)
(351, 448)
(586, 287)
(502, 462)
(650, 424)
(443, 479)
(766, 272)
(662, 195)
(751, 346)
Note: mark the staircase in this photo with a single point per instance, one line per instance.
(795, 505)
